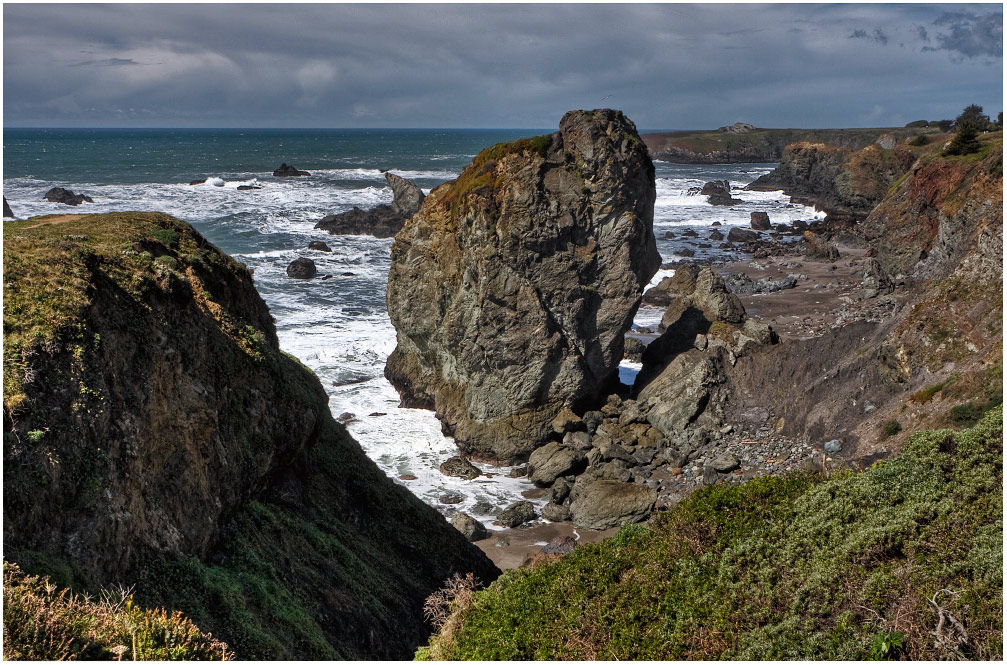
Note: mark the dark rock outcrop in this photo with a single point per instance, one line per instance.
(301, 268)
(287, 171)
(517, 514)
(705, 330)
(7, 212)
(741, 235)
(511, 290)
(65, 196)
(319, 246)
(719, 193)
(460, 467)
(157, 438)
(382, 221)
(760, 221)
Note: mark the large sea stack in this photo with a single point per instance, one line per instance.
(512, 287)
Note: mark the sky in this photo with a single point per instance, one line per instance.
(667, 66)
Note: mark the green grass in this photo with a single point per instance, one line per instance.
(780, 568)
(43, 622)
(49, 266)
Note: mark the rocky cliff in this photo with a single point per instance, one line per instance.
(846, 184)
(512, 288)
(155, 435)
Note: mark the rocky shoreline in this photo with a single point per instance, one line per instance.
(750, 444)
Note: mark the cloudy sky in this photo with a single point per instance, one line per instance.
(507, 65)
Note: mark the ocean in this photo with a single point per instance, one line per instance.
(337, 327)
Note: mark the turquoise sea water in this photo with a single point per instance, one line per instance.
(338, 327)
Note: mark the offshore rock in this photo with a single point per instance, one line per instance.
(286, 171)
(513, 286)
(301, 268)
(61, 195)
(719, 193)
(384, 221)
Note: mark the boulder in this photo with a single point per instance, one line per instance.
(65, 196)
(319, 246)
(197, 182)
(383, 221)
(516, 514)
(7, 212)
(286, 171)
(577, 440)
(760, 221)
(553, 460)
(719, 193)
(741, 235)
(832, 447)
(459, 467)
(725, 463)
(567, 421)
(245, 188)
(555, 513)
(604, 504)
(819, 247)
(470, 527)
(512, 288)
(716, 235)
(301, 268)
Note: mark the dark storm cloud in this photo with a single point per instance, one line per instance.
(667, 66)
(971, 35)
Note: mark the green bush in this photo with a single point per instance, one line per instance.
(920, 139)
(891, 428)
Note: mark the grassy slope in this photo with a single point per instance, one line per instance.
(794, 568)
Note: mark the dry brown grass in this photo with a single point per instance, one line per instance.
(43, 622)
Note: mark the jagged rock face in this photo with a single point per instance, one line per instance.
(512, 288)
(383, 221)
(705, 329)
(7, 212)
(927, 225)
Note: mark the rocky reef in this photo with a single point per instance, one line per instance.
(383, 221)
(511, 289)
(156, 437)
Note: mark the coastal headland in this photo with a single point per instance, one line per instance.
(812, 437)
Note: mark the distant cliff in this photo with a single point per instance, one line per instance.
(155, 435)
(756, 145)
(842, 182)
